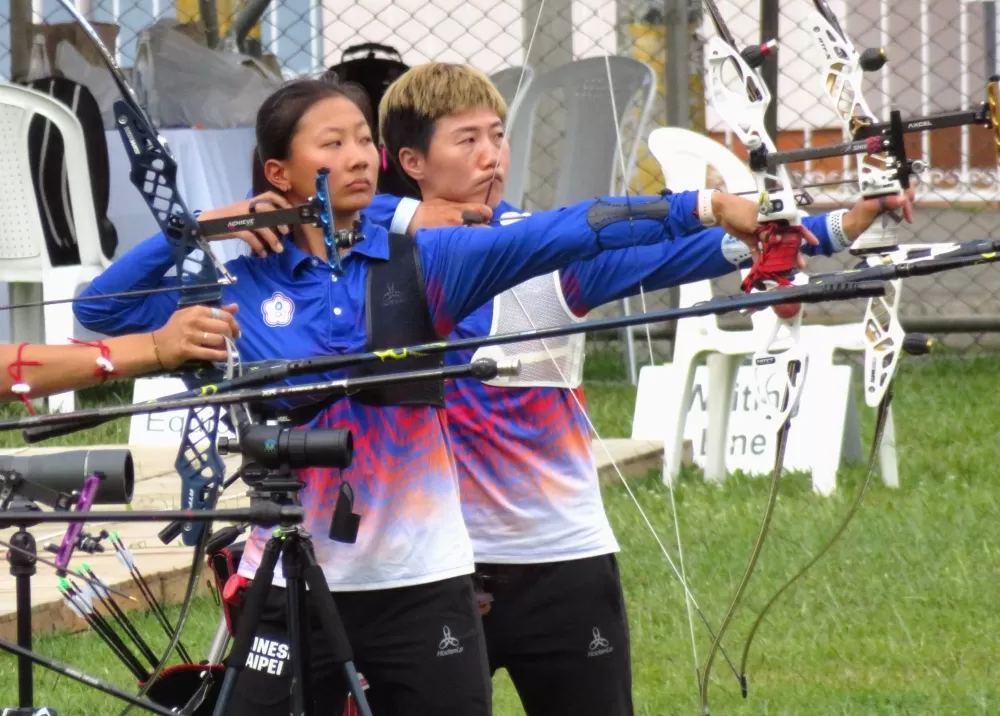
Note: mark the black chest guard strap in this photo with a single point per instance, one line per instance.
(396, 314)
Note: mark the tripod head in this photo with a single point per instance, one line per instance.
(16, 503)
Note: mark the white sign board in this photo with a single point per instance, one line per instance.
(160, 429)
(815, 439)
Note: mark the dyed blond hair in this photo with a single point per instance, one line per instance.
(435, 90)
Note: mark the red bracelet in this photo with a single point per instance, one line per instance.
(104, 366)
(14, 371)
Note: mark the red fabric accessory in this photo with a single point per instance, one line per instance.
(104, 366)
(14, 371)
(778, 259)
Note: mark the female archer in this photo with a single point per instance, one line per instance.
(403, 587)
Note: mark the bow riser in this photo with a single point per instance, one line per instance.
(743, 111)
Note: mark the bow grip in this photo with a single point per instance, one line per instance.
(197, 488)
(778, 263)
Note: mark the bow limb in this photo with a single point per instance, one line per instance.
(880, 422)
(154, 174)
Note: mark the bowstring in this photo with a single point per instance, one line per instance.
(652, 362)
(680, 573)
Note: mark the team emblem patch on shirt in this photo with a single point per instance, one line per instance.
(277, 310)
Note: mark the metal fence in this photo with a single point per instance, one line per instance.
(940, 51)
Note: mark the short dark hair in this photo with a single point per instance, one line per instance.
(279, 115)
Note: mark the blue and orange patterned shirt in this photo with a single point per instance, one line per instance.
(292, 305)
(526, 465)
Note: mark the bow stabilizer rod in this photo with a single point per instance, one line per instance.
(482, 369)
(36, 426)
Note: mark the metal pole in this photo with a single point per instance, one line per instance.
(990, 37)
(244, 22)
(769, 70)
(21, 20)
(677, 64)
(210, 19)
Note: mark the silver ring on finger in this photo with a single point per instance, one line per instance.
(204, 336)
(216, 313)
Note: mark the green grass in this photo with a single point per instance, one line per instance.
(899, 617)
(113, 433)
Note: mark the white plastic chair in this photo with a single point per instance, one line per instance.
(684, 157)
(589, 160)
(590, 164)
(506, 81)
(24, 257)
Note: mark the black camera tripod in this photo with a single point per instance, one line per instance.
(298, 562)
(22, 559)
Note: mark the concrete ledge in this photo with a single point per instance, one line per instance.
(635, 458)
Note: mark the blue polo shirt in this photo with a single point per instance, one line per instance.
(526, 465)
(293, 306)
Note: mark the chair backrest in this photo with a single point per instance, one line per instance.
(590, 154)
(684, 157)
(507, 80)
(22, 243)
(48, 167)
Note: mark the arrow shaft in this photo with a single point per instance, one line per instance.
(217, 395)
(235, 389)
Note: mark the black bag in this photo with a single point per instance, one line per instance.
(47, 159)
(360, 64)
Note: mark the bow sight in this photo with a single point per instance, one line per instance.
(317, 211)
(887, 138)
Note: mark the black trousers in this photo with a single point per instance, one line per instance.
(561, 631)
(421, 650)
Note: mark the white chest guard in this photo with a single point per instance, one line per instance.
(534, 304)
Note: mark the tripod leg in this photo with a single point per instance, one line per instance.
(333, 628)
(254, 607)
(298, 638)
(22, 568)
